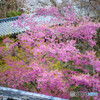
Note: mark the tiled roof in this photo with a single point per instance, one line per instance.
(14, 94)
(6, 24)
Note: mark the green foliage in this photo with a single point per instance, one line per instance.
(27, 12)
(14, 13)
(1, 60)
(4, 67)
(76, 98)
(97, 46)
(57, 65)
(98, 36)
(79, 70)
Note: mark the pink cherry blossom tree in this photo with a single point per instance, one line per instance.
(33, 60)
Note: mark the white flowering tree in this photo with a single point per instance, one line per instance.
(32, 5)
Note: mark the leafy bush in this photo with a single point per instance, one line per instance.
(14, 13)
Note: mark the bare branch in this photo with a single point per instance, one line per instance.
(53, 2)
